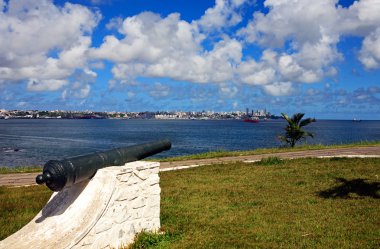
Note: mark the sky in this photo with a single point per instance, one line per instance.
(321, 57)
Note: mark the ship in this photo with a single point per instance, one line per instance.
(250, 120)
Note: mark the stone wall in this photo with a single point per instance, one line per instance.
(134, 207)
(105, 212)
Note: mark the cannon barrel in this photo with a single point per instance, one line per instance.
(58, 174)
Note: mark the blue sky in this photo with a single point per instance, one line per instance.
(318, 57)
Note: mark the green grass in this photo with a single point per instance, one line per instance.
(301, 203)
(272, 160)
(19, 205)
(145, 240)
(31, 169)
(221, 153)
(284, 205)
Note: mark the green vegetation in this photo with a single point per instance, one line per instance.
(145, 240)
(293, 130)
(301, 203)
(221, 153)
(272, 160)
(19, 205)
(32, 169)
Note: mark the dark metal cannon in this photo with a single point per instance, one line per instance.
(58, 174)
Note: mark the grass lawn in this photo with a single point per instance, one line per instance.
(310, 203)
(313, 203)
(19, 205)
(31, 169)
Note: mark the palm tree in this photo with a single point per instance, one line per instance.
(293, 130)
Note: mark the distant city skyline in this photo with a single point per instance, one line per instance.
(321, 58)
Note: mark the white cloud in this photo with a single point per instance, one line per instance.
(148, 37)
(80, 85)
(308, 34)
(45, 85)
(223, 14)
(253, 73)
(115, 23)
(168, 47)
(286, 19)
(159, 90)
(77, 90)
(360, 19)
(42, 43)
(370, 53)
(83, 92)
(49, 47)
(279, 89)
(228, 91)
(153, 46)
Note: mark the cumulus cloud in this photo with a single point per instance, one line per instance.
(369, 54)
(223, 14)
(153, 46)
(47, 46)
(279, 89)
(308, 33)
(42, 43)
(147, 37)
(45, 85)
(299, 41)
(115, 23)
(258, 73)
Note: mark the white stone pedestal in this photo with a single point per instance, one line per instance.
(106, 211)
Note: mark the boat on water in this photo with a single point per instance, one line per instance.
(249, 120)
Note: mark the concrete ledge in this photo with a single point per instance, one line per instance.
(106, 211)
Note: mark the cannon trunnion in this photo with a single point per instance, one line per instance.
(58, 174)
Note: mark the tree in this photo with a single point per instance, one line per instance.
(293, 130)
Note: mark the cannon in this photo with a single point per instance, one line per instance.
(58, 174)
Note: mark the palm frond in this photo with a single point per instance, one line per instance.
(307, 121)
(297, 117)
(286, 117)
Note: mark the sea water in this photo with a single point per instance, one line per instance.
(25, 142)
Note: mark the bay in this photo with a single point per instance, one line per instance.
(26, 142)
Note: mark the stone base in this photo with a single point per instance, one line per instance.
(105, 212)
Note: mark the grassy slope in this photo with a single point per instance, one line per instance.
(268, 205)
(250, 205)
(19, 205)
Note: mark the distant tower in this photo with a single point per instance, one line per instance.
(247, 111)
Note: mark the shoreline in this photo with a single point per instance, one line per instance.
(22, 179)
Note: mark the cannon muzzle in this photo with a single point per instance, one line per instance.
(58, 174)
